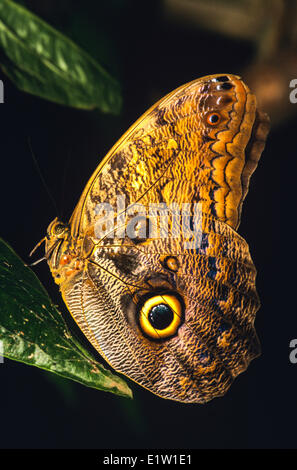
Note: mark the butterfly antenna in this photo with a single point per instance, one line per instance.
(42, 178)
(64, 181)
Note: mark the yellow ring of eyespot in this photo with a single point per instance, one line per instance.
(176, 308)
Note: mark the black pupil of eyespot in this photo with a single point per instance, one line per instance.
(224, 86)
(223, 78)
(160, 316)
(214, 118)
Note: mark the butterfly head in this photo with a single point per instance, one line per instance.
(59, 252)
(57, 230)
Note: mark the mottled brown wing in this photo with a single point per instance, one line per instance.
(216, 339)
(199, 145)
(174, 152)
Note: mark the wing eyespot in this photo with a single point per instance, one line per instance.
(213, 119)
(160, 316)
(171, 263)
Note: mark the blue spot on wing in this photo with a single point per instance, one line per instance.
(204, 357)
(223, 327)
(203, 244)
(212, 267)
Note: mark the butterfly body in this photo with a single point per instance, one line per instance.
(150, 265)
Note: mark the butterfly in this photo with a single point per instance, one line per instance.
(150, 265)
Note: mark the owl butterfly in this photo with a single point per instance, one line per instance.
(170, 306)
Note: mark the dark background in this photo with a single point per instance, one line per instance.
(150, 51)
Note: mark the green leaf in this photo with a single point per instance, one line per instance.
(34, 332)
(42, 61)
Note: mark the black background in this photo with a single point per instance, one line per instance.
(150, 56)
